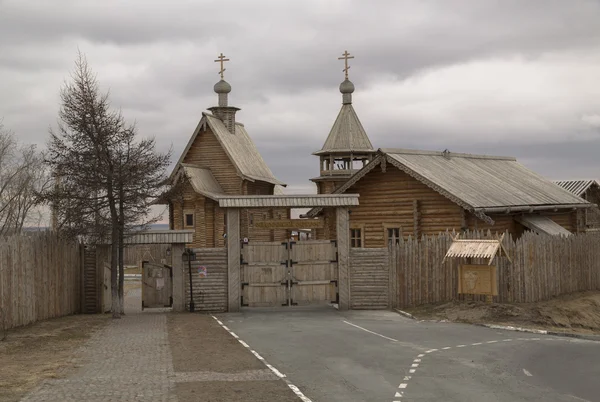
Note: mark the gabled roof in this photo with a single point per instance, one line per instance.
(239, 147)
(478, 183)
(577, 187)
(203, 182)
(347, 134)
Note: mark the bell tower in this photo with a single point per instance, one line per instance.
(347, 147)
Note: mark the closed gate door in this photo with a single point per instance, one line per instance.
(288, 273)
(263, 272)
(157, 288)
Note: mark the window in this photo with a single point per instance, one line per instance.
(189, 220)
(393, 233)
(356, 237)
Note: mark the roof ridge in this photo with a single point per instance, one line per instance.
(441, 153)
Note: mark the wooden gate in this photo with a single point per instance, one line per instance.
(289, 273)
(157, 285)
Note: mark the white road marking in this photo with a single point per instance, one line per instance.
(461, 346)
(278, 373)
(492, 341)
(421, 355)
(507, 340)
(398, 395)
(371, 332)
(527, 373)
(412, 371)
(475, 344)
(406, 378)
(446, 348)
(431, 351)
(415, 365)
(417, 360)
(403, 385)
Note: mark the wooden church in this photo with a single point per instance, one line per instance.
(412, 192)
(219, 160)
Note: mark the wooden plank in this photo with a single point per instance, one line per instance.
(290, 224)
(233, 259)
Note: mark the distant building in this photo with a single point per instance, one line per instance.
(589, 190)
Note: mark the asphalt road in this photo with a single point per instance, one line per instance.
(382, 356)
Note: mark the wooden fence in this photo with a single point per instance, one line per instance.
(210, 292)
(40, 278)
(369, 278)
(542, 267)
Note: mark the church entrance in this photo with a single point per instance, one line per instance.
(289, 273)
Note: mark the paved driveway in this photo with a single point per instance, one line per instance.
(382, 356)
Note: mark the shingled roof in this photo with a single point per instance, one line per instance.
(347, 134)
(479, 183)
(577, 187)
(239, 147)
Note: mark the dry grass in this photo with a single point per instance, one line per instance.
(574, 313)
(43, 350)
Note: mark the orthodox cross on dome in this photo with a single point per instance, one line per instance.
(221, 59)
(345, 57)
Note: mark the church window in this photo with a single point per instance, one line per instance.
(189, 219)
(356, 237)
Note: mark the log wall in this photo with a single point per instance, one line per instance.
(210, 293)
(40, 278)
(542, 267)
(369, 278)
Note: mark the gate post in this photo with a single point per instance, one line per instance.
(178, 278)
(343, 244)
(233, 259)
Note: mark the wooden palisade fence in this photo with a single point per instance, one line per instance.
(542, 267)
(40, 278)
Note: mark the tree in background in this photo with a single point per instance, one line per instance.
(106, 178)
(22, 178)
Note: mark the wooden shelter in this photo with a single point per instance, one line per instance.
(412, 192)
(589, 190)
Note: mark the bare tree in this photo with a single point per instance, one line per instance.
(22, 177)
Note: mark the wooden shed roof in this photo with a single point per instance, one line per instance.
(478, 183)
(239, 147)
(542, 225)
(347, 134)
(577, 187)
(475, 248)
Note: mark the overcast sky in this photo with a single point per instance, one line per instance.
(518, 78)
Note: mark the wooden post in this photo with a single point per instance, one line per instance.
(178, 277)
(343, 245)
(233, 259)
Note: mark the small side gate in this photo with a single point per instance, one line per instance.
(289, 273)
(157, 285)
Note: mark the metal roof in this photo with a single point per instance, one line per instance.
(161, 237)
(203, 181)
(481, 181)
(291, 201)
(347, 134)
(239, 147)
(475, 248)
(542, 225)
(577, 187)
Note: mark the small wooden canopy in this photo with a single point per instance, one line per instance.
(475, 248)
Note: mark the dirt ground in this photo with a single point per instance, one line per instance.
(42, 350)
(199, 344)
(573, 313)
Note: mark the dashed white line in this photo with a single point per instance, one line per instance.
(476, 343)
(491, 341)
(278, 373)
(527, 373)
(446, 348)
(371, 332)
(461, 346)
